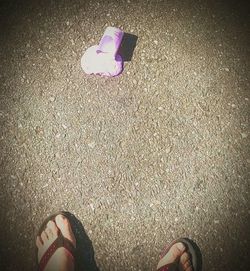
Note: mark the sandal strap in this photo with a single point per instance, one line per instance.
(59, 242)
(169, 267)
(164, 268)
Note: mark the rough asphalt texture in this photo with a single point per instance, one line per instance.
(157, 153)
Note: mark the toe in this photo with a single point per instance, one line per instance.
(185, 262)
(49, 233)
(44, 237)
(190, 268)
(64, 226)
(177, 250)
(52, 226)
(187, 265)
(184, 257)
(39, 242)
(173, 255)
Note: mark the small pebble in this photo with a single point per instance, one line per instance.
(91, 144)
(46, 185)
(20, 125)
(157, 202)
(92, 206)
(78, 160)
(244, 135)
(168, 150)
(226, 69)
(52, 99)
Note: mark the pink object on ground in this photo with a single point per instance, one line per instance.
(103, 59)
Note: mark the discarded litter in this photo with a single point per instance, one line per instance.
(103, 59)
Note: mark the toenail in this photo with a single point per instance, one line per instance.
(60, 219)
(181, 247)
(50, 223)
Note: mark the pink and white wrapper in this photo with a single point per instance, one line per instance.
(103, 59)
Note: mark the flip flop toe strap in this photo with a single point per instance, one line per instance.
(168, 267)
(59, 242)
(164, 268)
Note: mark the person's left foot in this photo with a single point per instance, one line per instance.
(61, 260)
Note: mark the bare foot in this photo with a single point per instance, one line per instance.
(61, 260)
(177, 254)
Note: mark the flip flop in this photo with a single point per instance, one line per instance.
(60, 241)
(191, 247)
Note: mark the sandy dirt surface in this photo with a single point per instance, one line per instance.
(157, 153)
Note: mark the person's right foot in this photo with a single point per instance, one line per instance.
(61, 260)
(177, 254)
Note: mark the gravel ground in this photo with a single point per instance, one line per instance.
(159, 152)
